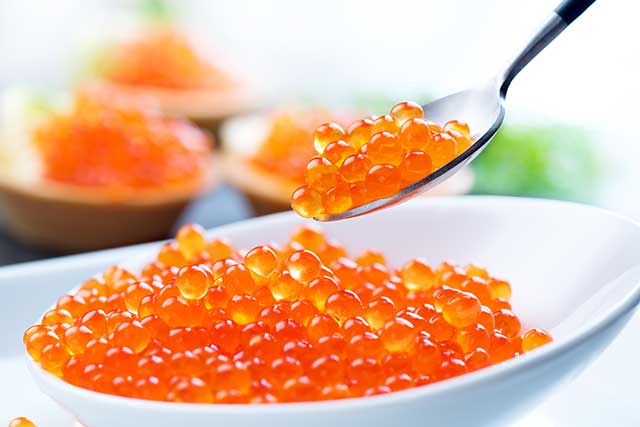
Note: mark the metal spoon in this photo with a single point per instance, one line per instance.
(482, 108)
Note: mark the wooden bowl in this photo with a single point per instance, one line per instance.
(72, 219)
(268, 192)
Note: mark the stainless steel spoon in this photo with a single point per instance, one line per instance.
(482, 108)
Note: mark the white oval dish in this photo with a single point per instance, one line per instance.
(574, 269)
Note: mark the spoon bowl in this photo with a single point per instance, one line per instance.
(575, 271)
(482, 108)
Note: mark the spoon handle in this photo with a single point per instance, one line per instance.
(569, 10)
(556, 23)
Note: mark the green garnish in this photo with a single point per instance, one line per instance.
(156, 11)
(552, 161)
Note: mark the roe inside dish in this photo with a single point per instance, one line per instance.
(301, 321)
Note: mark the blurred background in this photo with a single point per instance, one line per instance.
(570, 127)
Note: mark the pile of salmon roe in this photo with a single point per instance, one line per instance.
(374, 158)
(162, 58)
(115, 142)
(289, 143)
(299, 322)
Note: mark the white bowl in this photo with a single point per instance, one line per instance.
(574, 269)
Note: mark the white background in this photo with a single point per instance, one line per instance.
(335, 48)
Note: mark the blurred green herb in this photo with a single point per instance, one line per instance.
(92, 62)
(156, 11)
(548, 161)
(38, 105)
(559, 162)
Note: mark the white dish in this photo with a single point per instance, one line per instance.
(531, 242)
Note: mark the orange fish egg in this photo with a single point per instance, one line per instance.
(193, 282)
(304, 266)
(320, 174)
(337, 151)
(319, 289)
(262, 262)
(170, 255)
(499, 289)
(383, 147)
(359, 194)
(284, 286)
(360, 132)
(385, 123)
(307, 202)
(507, 323)
(462, 142)
(343, 305)
(406, 110)
(442, 149)
(414, 166)
(535, 338)
(219, 249)
(477, 359)
(426, 357)
(326, 134)
(398, 335)
(418, 276)
(379, 311)
(21, 422)
(337, 199)
(309, 236)
(237, 279)
(415, 134)
(191, 240)
(382, 180)
(457, 126)
(462, 310)
(355, 168)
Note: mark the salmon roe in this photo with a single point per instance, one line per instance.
(108, 142)
(205, 323)
(374, 158)
(21, 422)
(161, 58)
(292, 139)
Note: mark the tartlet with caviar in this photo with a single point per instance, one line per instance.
(183, 79)
(106, 170)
